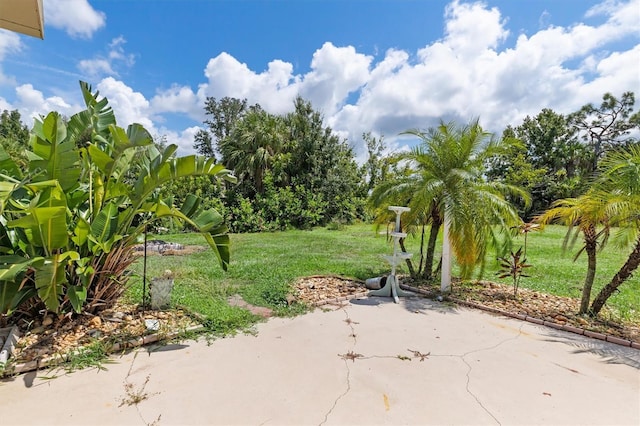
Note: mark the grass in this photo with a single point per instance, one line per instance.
(554, 270)
(263, 266)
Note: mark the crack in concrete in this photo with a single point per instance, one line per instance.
(470, 369)
(128, 386)
(355, 340)
(422, 356)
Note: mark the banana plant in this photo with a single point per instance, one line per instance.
(90, 190)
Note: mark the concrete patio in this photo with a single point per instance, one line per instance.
(367, 362)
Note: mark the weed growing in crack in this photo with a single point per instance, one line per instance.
(135, 396)
(350, 321)
(417, 354)
(403, 358)
(351, 355)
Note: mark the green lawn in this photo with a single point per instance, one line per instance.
(264, 265)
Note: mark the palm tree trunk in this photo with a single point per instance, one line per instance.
(412, 272)
(445, 279)
(436, 222)
(421, 264)
(590, 240)
(620, 277)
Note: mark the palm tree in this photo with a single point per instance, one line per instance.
(612, 201)
(619, 184)
(255, 141)
(582, 215)
(446, 186)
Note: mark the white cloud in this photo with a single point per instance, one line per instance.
(104, 65)
(274, 88)
(335, 73)
(476, 69)
(78, 18)
(178, 99)
(9, 43)
(468, 73)
(97, 66)
(183, 139)
(128, 105)
(32, 103)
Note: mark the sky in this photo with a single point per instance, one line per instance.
(379, 66)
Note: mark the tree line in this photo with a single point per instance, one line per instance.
(293, 171)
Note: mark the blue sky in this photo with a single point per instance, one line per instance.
(369, 65)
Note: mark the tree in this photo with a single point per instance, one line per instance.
(321, 162)
(544, 157)
(619, 185)
(446, 186)
(223, 116)
(285, 163)
(612, 201)
(253, 143)
(606, 127)
(14, 136)
(585, 215)
(373, 168)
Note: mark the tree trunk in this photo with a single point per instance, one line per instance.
(421, 264)
(620, 277)
(445, 270)
(590, 241)
(436, 222)
(412, 272)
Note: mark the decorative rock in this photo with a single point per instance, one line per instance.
(37, 330)
(94, 333)
(128, 318)
(95, 322)
(47, 321)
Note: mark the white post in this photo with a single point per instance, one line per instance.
(445, 282)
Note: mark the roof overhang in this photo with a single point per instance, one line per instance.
(22, 16)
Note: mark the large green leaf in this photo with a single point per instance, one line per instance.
(12, 265)
(46, 219)
(77, 295)
(51, 277)
(191, 205)
(104, 229)
(8, 292)
(58, 156)
(220, 244)
(11, 269)
(92, 124)
(105, 223)
(81, 232)
(163, 170)
(208, 222)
